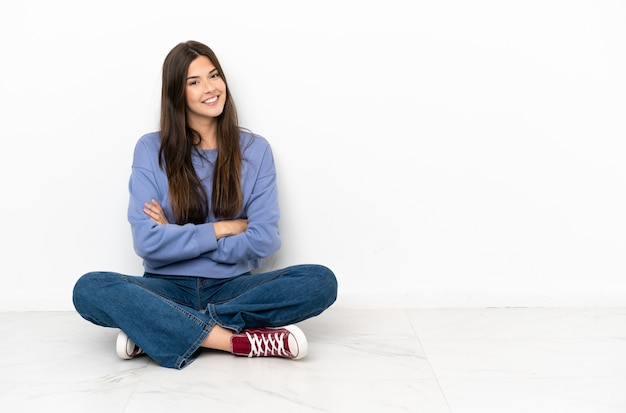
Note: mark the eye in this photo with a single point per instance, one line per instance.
(215, 75)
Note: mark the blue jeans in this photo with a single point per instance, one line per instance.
(170, 316)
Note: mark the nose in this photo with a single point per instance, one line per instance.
(209, 87)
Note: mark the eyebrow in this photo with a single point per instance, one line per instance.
(195, 77)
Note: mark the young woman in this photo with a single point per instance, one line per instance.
(203, 212)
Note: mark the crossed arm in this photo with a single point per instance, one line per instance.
(222, 228)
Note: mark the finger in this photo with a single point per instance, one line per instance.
(158, 221)
(156, 217)
(150, 212)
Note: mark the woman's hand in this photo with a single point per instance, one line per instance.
(230, 227)
(155, 212)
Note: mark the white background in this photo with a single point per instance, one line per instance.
(432, 153)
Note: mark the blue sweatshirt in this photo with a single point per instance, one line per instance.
(193, 250)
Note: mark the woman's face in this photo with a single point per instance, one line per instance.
(205, 91)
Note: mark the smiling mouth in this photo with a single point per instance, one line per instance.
(211, 100)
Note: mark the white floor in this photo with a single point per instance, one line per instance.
(379, 361)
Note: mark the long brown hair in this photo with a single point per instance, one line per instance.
(187, 193)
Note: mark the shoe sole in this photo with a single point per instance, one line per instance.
(300, 339)
(121, 346)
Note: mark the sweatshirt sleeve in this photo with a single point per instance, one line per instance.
(160, 245)
(262, 237)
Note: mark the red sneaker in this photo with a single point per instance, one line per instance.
(289, 342)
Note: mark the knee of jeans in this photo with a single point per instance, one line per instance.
(82, 288)
(91, 293)
(328, 281)
(88, 285)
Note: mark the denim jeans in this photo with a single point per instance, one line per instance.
(169, 317)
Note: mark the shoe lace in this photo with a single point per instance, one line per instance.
(268, 344)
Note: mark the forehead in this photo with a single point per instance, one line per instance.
(199, 65)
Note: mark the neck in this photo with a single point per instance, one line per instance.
(207, 143)
(208, 135)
